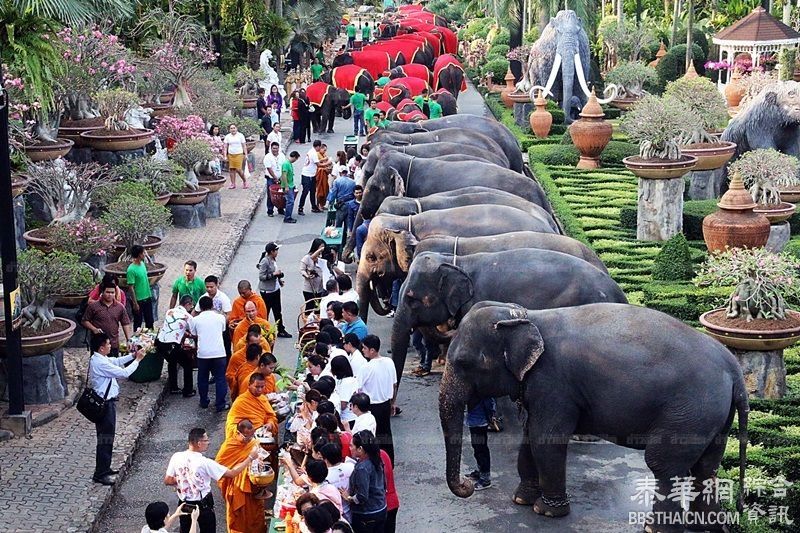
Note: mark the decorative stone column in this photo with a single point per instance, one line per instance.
(660, 213)
(764, 373)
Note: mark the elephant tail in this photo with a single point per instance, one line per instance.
(742, 409)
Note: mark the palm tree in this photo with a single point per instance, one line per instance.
(312, 22)
(72, 12)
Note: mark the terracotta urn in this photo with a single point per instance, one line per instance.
(691, 73)
(734, 90)
(591, 133)
(735, 225)
(541, 119)
(510, 88)
(662, 51)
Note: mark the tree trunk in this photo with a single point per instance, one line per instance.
(253, 56)
(675, 16)
(279, 7)
(620, 12)
(689, 28)
(660, 213)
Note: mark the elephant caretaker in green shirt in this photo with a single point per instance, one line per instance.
(188, 285)
(139, 285)
(287, 184)
(366, 32)
(316, 70)
(371, 114)
(357, 102)
(351, 34)
(435, 107)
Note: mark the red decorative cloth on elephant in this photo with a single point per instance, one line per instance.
(395, 47)
(450, 39)
(412, 116)
(374, 61)
(435, 40)
(404, 103)
(414, 85)
(385, 107)
(443, 62)
(406, 8)
(415, 70)
(347, 76)
(317, 92)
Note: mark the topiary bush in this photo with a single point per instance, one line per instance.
(503, 37)
(628, 217)
(566, 138)
(674, 261)
(498, 66)
(567, 155)
(498, 50)
(671, 67)
(698, 37)
(694, 211)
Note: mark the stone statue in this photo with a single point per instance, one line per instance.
(138, 117)
(271, 74)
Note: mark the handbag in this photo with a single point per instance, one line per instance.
(90, 404)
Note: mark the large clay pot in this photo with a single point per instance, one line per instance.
(212, 183)
(735, 225)
(164, 198)
(251, 145)
(710, 156)
(151, 244)
(249, 102)
(73, 130)
(160, 110)
(659, 169)
(188, 197)
(48, 152)
(776, 213)
(37, 238)
(790, 194)
(155, 271)
(510, 88)
(591, 133)
(541, 119)
(42, 344)
(624, 104)
(751, 339)
(734, 92)
(132, 139)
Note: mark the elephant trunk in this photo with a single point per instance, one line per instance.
(452, 401)
(348, 254)
(567, 82)
(401, 334)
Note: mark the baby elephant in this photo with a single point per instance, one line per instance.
(631, 375)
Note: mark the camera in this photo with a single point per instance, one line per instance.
(327, 254)
(280, 276)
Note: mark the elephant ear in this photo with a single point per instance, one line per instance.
(771, 98)
(524, 344)
(405, 242)
(456, 287)
(399, 184)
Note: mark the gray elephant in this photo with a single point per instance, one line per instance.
(441, 288)
(473, 123)
(590, 370)
(389, 247)
(432, 150)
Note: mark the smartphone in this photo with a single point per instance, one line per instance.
(189, 507)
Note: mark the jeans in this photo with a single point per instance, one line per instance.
(145, 314)
(216, 366)
(383, 426)
(105, 428)
(206, 522)
(369, 523)
(479, 438)
(350, 42)
(175, 355)
(296, 129)
(309, 187)
(395, 297)
(425, 350)
(289, 195)
(273, 302)
(358, 123)
(341, 215)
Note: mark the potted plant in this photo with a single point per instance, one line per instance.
(765, 172)
(164, 177)
(657, 123)
(116, 134)
(187, 154)
(706, 105)
(251, 129)
(245, 80)
(42, 278)
(756, 317)
(630, 77)
(174, 129)
(85, 238)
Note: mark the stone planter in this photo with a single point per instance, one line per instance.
(541, 120)
(249, 102)
(48, 152)
(188, 197)
(70, 300)
(155, 271)
(251, 145)
(659, 169)
(624, 104)
(753, 337)
(710, 156)
(590, 134)
(164, 198)
(44, 343)
(213, 183)
(776, 213)
(151, 244)
(76, 127)
(43, 380)
(735, 225)
(792, 194)
(122, 140)
(37, 238)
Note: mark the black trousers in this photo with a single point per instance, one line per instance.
(175, 355)
(391, 521)
(309, 188)
(479, 438)
(145, 314)
(106, 429)
(369, 523)
(297, 127)
(308, 297)
(206, 522)
(383, 426)
(273, 302)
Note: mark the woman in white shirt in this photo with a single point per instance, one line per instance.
(346, 386)
(311, 268)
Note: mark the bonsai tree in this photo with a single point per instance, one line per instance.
(187, 154)
(85, 238)
(114, 104)
(764, 172)
(67, 188)
(180, 129)
(763, 281)
(657, 124)
(630, 77)
(45, 276)
(704, 102)
(161, 176)
(245, 80)
(250, 128)
(133, 219)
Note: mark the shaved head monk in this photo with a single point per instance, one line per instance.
(246, 294)
(251, 318)
(238, 358)
(244, 513)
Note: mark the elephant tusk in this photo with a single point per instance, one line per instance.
(610, 88)
(550, 81)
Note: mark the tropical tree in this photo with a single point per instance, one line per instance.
(312, 23)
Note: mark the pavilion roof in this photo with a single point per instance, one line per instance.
(757, 27)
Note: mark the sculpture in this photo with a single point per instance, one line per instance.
(560, 59)
(271, 77)
(138, 117)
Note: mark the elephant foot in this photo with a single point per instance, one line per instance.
(526, 493)
(706, 516)
(551, 507)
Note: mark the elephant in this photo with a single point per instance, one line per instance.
(510, 241)
(591, 370)
(559, 63)
(399, 89)
(447, 101)
(441, 288)
(486, 126)
(350, 77)
(396, 94)
(431, 150)
(326, 102)
(389, 248)
(376, 62)
(414, 71)
(449, 74)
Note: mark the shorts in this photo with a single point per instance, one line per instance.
(236, 161)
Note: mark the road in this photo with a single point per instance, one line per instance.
(601, 477)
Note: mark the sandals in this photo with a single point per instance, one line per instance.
(420, 372)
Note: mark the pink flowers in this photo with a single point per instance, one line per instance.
(93, 58)
(178, 129)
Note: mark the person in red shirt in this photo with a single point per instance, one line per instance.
(295, 118)
(392, 501)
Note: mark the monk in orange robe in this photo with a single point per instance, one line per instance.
(246, 294)
(239, 355)
(242, 379)
(251, 318)
(244, 513)
(267, 364)
(252, 405)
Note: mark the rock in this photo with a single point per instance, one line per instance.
(247, 112)
(213, 204)
(521, 112)
(79, 155)
(42, 378)
(19, 221)
(764, 373)
(779, 235)
(38, 209)
(188, 216)
(703, 185)
(5, 435)
(660, 212)
(116, 158)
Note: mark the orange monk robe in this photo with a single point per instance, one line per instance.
(244, 513)
(237, 308)
(241, 330)
(245, 371)
(239, 357)
(242, 378)
(256, 409)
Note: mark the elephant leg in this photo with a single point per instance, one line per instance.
(707, 506)
(528, 489)
(550, 454)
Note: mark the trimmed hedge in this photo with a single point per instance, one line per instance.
(567, 154)
(671, 67)
(694, 211)
(674, 261)
(498, 50)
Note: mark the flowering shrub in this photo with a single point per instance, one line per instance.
(20, 111)
(657, 125)
(180, 129)
(160, 176)
(85, 237)
(178, 61)
(520, 53)
(192, 151)
(764, 171)
(134, 218)
(763, 280)
(66, 189)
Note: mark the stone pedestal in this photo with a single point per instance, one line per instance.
(19, 221)
(42, 378)
(86, 155)
(188, 216)
(704, 185)
(779, 235)
(521, 112)
(20, 425)
(249, 112)
(213, 203)
(660, 212)
(764, 373)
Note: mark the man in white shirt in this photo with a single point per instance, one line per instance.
(235, 150)
(332, 287)
(176, 324)
(208, 327)
(191, 473)
(103, 375)
(275, 136)
(309, 178)
(222, 305)
(273, 162)
(378, 379)
(360, 405)
(352, 345)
